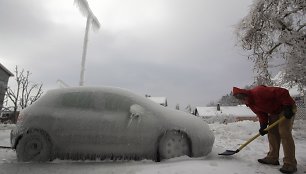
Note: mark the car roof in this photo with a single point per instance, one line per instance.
(102, 89)
(92, 89)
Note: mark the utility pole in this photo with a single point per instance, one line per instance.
(91, 20)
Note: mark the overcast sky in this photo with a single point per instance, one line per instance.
(184, 50)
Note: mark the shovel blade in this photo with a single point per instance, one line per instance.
(5, 147)
(229, 152)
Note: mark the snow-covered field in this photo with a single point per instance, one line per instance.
(228, 137)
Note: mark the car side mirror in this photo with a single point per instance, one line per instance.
(136, 111)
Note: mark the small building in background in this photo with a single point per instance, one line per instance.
(160, 100)
(225, 114)
(4, 76)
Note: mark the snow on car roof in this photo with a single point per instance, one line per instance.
(93, 89)
(103, 89)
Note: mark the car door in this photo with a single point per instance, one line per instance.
(115, 133)
(127, 132)
(74, 126)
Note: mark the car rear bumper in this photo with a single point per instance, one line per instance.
(14, 137)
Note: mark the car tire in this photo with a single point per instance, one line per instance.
(34, 146)
(173, 144)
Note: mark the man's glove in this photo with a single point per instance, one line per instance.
(287, 111)
(262, 131)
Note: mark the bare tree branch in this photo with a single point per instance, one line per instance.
(273, 48)
(276, 29)
(301, 27)
(25, 92)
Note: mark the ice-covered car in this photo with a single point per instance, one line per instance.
(106, 122)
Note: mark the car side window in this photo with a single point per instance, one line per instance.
(82, 100)
(112, 102)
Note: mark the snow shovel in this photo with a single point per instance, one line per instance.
(5, 147)
(232, 152)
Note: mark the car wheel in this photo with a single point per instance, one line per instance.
(174, 144)
(34, 146)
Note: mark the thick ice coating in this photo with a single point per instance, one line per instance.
(107, 122)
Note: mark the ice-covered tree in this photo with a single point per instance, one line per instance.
(188, 109)
(24, 92)
(211, 103)
(276, 29)
(228, 100)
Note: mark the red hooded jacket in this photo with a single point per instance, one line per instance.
(263, 100)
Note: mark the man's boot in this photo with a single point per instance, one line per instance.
(268, 161)
(288, 169)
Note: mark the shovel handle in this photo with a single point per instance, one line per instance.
(257, 135)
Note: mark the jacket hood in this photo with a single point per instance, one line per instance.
(240, 91)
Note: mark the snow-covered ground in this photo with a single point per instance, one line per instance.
(228, 137)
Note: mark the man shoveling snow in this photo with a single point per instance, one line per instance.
(269, 103)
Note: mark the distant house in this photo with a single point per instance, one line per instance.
(225, 114)
(4, 76)
(160, 100)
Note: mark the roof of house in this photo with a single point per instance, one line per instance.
(6, 70)
(159, 100)
(236, 111)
